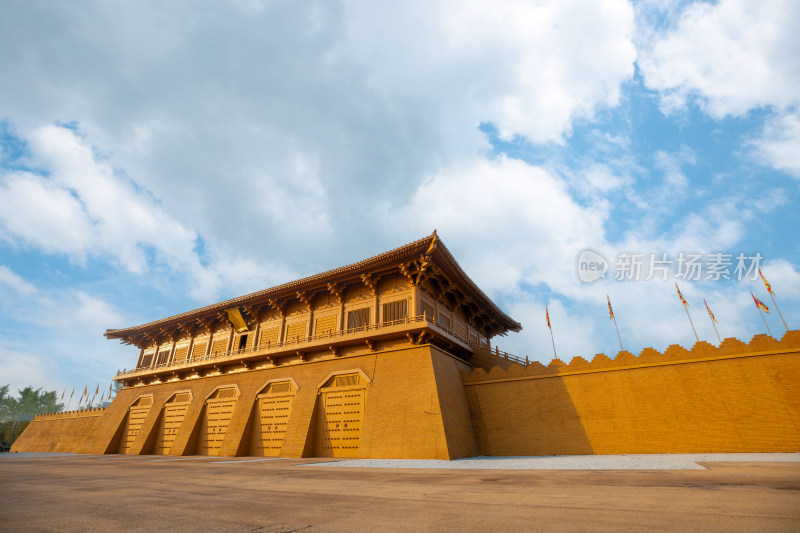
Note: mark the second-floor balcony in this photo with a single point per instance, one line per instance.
(415, 329)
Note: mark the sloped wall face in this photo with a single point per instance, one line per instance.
(63, 432)
(402, 416)
(736, 398)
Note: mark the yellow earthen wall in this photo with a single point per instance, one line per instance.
(736, 398)
(403, 414)
(63, 432)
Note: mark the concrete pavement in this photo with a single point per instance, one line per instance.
(153, 493)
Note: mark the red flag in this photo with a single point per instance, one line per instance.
(547, 316)
(769, 287)
(97, 389)
(63, 393)
(681, 296)
(759, 303)
(610, 311)
(709, 311)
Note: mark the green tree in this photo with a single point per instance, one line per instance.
(29, 402)
(6, 404)
(35, 401)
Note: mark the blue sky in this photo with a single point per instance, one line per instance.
(157, 158)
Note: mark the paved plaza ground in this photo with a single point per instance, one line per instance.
(65, 492)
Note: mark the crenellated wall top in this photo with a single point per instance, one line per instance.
(78, 413)
(730, 347)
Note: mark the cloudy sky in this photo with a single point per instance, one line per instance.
(160, 156)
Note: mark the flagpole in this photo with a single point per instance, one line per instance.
(713, 320)
(779, 310)
(614, 318)
(686, 308)
(764, 319)
(618, 337)
(717, 332)
(692, 323)
(547, 317)
(772, 295)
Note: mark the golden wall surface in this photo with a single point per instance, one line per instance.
(735, 398)
(411, 401)
(61, 432)
(414, 407)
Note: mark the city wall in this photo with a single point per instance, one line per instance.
(414, 407)
(735, 398)
(420, 402)
(59, 432)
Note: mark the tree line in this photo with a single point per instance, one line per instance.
(16, 412)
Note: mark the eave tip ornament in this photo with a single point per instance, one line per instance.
(434, 243)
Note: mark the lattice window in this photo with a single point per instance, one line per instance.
(147, 359)
(325, 325)
(224, 393)
(268, 337)
(279, 388)
(163, 357)
(199, 350)
(347, 380)
(427, 310)
(181, 397)
(395, 311)
(145, 401)
(358, 318)
(220, 345)
(180, 353)
(445, 321)
(243, 341)
(296, 332)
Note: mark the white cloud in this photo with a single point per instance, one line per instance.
(10, 279)
(732, 55)
(69, 350)
(778, 145)
(784, 278)
(83, 208)
(283, 122)
(508, 221)
(36, 211)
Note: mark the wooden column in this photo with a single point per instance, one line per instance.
(230, 340)
(172, 352)
(190, 348)
(282, 330)
(256, 332)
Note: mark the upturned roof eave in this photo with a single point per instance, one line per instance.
(390, 257)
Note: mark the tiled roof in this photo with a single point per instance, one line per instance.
(397, 255)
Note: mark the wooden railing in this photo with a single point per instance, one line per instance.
(505, 355)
